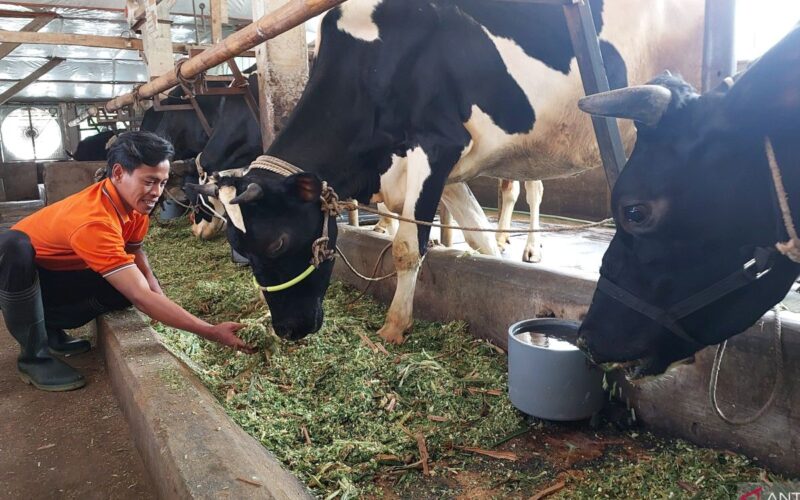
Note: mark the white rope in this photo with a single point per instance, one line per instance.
(791, 248)
(712, 384)
(351, 205)
(366, 278)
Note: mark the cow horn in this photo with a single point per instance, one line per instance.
(642, 103)
(252, 193)
(206, 189)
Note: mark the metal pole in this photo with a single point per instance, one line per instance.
(271, 25)
(194, 17)
(590, 62)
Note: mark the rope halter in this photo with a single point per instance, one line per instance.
(329, 205)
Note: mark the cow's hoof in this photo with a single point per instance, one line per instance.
(502, 242)
(532, 255)
(392, 334)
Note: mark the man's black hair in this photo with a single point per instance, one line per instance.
(132, 149)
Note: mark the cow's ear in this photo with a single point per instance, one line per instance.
(768, 93)
(307, 187)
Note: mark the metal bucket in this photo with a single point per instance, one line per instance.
(170, 210)
(549, 377)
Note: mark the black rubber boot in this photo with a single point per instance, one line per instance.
(60, 342)
(24, 316)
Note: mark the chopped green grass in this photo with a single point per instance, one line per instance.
(344, 416)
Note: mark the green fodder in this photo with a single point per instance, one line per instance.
(340, 413)
(332, 407)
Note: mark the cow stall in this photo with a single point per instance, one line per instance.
(191, 447)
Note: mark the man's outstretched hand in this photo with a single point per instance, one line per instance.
(225, 334)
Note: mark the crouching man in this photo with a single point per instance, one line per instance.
(71, 261)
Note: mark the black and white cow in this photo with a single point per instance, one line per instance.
(409, 98)
(694, 259)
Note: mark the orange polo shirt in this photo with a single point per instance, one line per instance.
(88, 230)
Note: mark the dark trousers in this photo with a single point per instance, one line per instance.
(70, 298)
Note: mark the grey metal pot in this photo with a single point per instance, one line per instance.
(170, 210)
(554, 381)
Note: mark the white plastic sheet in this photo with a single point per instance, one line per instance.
(86, 64)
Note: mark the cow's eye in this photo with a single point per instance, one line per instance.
(275, 246)
(636, 213)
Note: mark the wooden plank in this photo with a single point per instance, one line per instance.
(38, 22)
(15, 89)
(25, 15)
(107, 42)
(94, 82)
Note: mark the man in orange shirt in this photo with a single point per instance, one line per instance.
(71, 261)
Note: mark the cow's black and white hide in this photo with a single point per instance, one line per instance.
(694, 204)
(409, 98)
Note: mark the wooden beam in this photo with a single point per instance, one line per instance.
(14, 90)
(39, 21)
(106, 42)
(269, 26)
(25, 14)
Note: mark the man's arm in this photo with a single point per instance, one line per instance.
(131, 283)
(140, 258)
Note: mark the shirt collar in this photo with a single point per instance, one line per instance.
(110, 192)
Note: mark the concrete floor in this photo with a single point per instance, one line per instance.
(63, 445)
(572, 252)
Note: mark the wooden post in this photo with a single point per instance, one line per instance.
(352, 218)
(156, 37)
(266, 108)
(36, 24)
(445, 219)
(282, 72)
(41, 70)
(288, 68)
(219, 15)
(269, 26)
(719, 60)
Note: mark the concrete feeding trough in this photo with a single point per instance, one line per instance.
(548, 376)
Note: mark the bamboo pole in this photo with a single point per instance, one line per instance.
(271, 25)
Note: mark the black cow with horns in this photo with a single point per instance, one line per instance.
(694, 260)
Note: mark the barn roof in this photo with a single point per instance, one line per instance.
(90, 73)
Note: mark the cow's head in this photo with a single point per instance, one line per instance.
(274, 221)
(694, 205)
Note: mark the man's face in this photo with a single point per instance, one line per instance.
(141, 188)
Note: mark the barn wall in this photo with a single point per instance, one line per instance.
(63, 178)
(18, 181)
